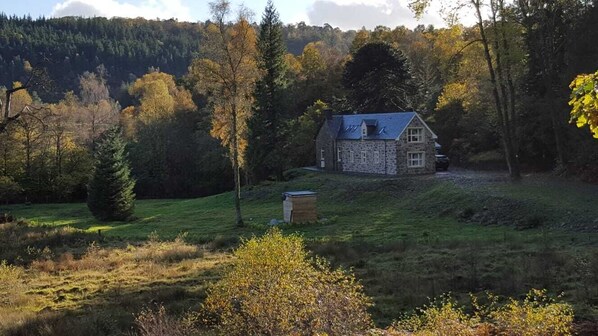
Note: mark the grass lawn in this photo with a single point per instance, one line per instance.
(407, 239)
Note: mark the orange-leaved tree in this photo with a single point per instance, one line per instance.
(226, 74)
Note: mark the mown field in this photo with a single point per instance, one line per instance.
(406, 239)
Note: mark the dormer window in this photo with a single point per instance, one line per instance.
(415, 134)
(368, 126)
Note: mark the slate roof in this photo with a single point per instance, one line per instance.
(388, 125)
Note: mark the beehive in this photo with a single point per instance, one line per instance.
(299, 206)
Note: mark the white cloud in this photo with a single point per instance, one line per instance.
(150, 9)
(354, 14)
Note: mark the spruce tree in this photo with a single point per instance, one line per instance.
(264, 151)
(110, 191)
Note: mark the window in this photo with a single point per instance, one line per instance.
(322, 154)
(362, 157)
(415, 159)
(352, 156)
(338, 154)
(364, 131)
(376, 157)
(415, 134)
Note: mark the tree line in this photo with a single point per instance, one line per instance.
(248, 106)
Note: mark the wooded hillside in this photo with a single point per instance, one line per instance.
(126, 47)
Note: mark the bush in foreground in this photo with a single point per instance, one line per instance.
(536, 315)
(274, 288)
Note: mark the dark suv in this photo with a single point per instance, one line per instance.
(442, 162)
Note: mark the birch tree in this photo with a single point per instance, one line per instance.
(227, 73)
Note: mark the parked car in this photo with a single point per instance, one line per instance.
(442, 162)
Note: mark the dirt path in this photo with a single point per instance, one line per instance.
(535, 200)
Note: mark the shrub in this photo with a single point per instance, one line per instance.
(443, 317)
(9, 189)
(156, 322)
(11, 283)
(537, 315)
(274, 288)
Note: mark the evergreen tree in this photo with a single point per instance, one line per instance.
(378, 79)
(110, 190)
(264, 151)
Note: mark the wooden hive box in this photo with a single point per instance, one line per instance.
(299, 206)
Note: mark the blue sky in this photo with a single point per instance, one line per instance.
(346, 14)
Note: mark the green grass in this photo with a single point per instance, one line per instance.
(407, 239)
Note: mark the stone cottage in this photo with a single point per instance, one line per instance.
(383, 143)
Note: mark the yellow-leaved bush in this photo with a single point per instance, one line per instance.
(536, 315)
(584, 101)
(275, 288)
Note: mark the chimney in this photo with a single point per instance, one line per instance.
(328, 114)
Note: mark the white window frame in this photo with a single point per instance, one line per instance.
(338, 154)
(363, 157)
(352, 156)
(411, 161)
(364, 131)
(376, 157)
(321, 155)
(415, 134)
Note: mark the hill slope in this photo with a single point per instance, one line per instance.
(406, 238)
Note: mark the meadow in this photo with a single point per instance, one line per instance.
(407, 239)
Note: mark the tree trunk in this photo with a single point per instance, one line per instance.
(236, 169)
(510, 155)
(59, 155)
(558, 138)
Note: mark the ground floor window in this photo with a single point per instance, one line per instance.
(415, 159)
(362, 157)
(376, 157)
(352, 156)
(338, 154)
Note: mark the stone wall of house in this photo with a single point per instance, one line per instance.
(386, 149)
(427, 146)
(325, 141)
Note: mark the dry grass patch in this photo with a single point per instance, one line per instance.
(71, 290)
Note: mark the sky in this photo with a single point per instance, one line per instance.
(345, 14)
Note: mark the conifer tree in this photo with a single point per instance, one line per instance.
(264, 151)
(110, 191)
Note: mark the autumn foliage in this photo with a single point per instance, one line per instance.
(584, 101)
(536, 315)
(275, 288)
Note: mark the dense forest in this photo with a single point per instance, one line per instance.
(127, 48)
(165, 84)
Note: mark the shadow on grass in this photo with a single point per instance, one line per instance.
(113, 311)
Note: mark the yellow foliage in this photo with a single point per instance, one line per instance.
(311, 60)
(584, 102)
(537, 315)
(159, 97)
(227, 76)
(458, 92)
(11, 283)
(20, 99)
(293, 64)
(361, 38)
(439, 319)
(273, 288)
